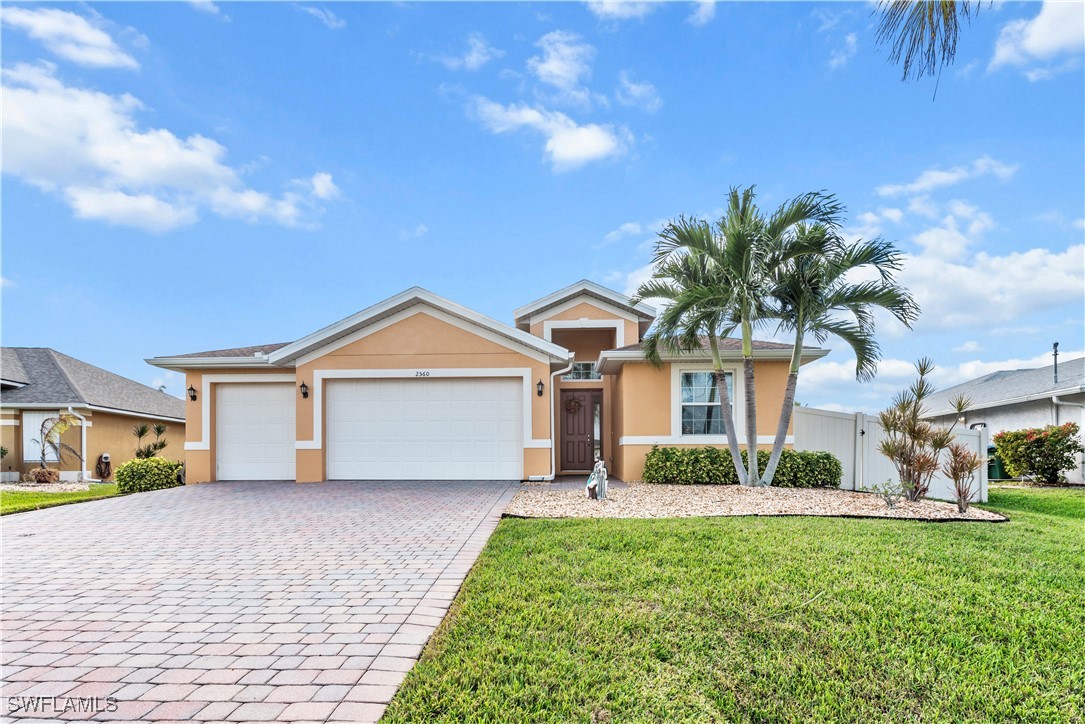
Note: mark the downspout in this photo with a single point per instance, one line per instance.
(83, 473)
(553, 414)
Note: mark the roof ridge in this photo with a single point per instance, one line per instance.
(67, 377)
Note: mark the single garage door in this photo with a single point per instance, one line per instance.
(425, 429)
(254, 431)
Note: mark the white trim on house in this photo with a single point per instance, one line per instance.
(316, 443)
(695, 440)
(1035, 397)
(204, 443)
(415, 295)
(584, 323)
(438, 314)
(9, 423)
(95, 408)
(578, 289)
(603, 307)
(192, 363)
(610, 361)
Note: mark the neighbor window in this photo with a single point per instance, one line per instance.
(701, 411)
(582, 371)
(32, 431)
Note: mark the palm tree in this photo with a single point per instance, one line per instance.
(52, 429)
(738, 255)
(683, 281)
(815, 295)
(923, 33)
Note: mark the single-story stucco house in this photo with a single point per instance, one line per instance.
(1018, 400)
(419, 387)
(37, 383)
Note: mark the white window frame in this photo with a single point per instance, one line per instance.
(572, 375)
(32, 432)
(738, 403)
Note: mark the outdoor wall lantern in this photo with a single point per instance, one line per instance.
(192, 393)
(304, 390)
(539, 387)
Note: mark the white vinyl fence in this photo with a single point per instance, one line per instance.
(853, 439)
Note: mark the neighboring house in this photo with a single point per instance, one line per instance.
(37, 382)
(1019, 399)
(418, 387)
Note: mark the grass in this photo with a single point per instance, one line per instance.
(768, 619)
(22, 501)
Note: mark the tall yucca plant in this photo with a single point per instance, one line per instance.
(815, 296)
(48, 440)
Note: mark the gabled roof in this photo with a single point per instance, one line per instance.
(1007, 387)
(285, 355)
(730, 350)
(584, 288)
(56, 379)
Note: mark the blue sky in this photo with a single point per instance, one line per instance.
(189, 176)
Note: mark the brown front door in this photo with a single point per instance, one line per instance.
(577, 429)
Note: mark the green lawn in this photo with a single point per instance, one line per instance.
(768, 619)
(19, 502)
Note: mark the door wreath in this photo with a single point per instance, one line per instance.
(572, 405)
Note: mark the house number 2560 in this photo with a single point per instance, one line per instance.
(421, 373)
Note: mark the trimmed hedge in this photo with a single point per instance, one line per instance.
(713, 466)
(143, 474)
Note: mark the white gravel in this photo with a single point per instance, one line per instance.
(641, 500)
(44, 487)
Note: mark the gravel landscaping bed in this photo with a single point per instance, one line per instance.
(44, 487)
(641, 500)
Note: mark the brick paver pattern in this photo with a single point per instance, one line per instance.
(231, 602)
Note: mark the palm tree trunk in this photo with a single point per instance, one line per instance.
(751, 403)
(725, 409)
(785, 412)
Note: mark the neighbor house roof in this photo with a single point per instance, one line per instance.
(589, 289)
(55, 379)
(12, 371)
(254, 351)
(1007, 387)
(730, 350)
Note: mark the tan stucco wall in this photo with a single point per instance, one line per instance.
(645, 408)
(200, 464)
(585, 310)
(422, 342)
(106, 432)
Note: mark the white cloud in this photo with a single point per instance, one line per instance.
(969, 346)
(478, 54)
(938, 178)
(643, 95)
(1056, 32)
(416, 233)
(621, 9)
(69, 36)
(869, 224)
(840, 56)
(569, 145)
(88, 147)
(330, 19)
(323, 187)
(565, 64)
(206, 6)
(629, 228)
(961, 228)
(706, 10)
(1079, 224)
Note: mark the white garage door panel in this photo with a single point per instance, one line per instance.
(435, 429)
(254, 431)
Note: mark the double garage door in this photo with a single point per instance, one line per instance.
(379, 429)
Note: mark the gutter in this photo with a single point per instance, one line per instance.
(553, 447)
(1049, 395)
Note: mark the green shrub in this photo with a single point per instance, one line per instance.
(143, 474)
(712, 466)
(1043, 453)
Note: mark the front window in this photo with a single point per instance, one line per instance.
(701, 410)
(582, 371)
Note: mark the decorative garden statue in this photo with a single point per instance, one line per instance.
(596, 487)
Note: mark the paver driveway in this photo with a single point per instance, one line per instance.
(236, 601)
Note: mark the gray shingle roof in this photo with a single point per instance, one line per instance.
(725, 343)
(237, 351)
(11, 369)
(1004, 385)
(57, 379)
